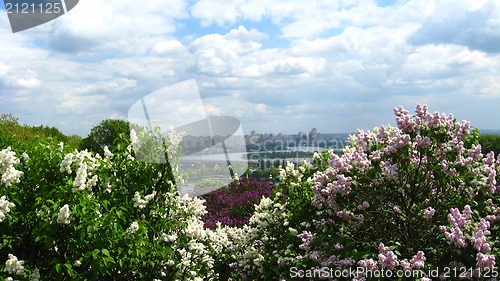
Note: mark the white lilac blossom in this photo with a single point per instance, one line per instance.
(5, 207)
(86, 167)
(9, 174)
(35, 275)
(107, 153)
(133, 228)
(133, 137)
(14, 266)
(63, 216)
(142, 203)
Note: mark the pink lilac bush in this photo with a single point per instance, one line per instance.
(413, 179)
(418, 196)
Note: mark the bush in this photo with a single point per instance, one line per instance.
(234, 205)
(74, 215)
(419, 196)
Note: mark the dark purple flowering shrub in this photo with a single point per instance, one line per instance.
(235, 204)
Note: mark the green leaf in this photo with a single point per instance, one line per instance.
(105, 252)
(59, 268)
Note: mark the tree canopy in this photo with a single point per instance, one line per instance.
(490, 143)
(12, 133)
(105, 134)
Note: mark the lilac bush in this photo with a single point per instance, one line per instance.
(75, 215)
(418, 196)
(234, 205)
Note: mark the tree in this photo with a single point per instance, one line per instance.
(490, 143)
(19, 135)
(105, 134)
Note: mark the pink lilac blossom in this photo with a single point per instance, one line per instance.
(456, 237)
(387, 258)
(306, 237)
(364, 138)
(406, 265)
(346, 215)
(418, 261)
(404, 120)
(457, 221)
(397, 141)
(479, 239)
(423, 142)
(390, 170)
(485, 261)
(429, 212)
(382, 134)
(368, 264)
(475, 152)
(363, 206)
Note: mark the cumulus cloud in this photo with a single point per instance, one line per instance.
(123, 26)
(217, 54)
(170, 48)
(476, 27)
(336, 65)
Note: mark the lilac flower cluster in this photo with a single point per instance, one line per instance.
(235, 204)
(457, 221)
(462, 222)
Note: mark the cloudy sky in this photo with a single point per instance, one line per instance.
(278, 66)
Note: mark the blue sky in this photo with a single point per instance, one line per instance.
(278, 66)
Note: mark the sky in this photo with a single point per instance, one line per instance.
(277, 66)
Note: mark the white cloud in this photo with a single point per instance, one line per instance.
(72, 104)
(261, 108)
(338, 64)
(475, 26)
(115, 85)
(218, 54)
(28, 83)
(3, 69)
(170, 48)
(124, 26)
(213, 110)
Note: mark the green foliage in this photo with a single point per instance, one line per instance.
(105, 134)
(490, 143)
(14, 134)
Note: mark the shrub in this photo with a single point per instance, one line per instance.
(234, 205)
(418, 196)
(75, 215)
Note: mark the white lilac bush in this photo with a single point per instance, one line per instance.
(76, 215)
(417, 197)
